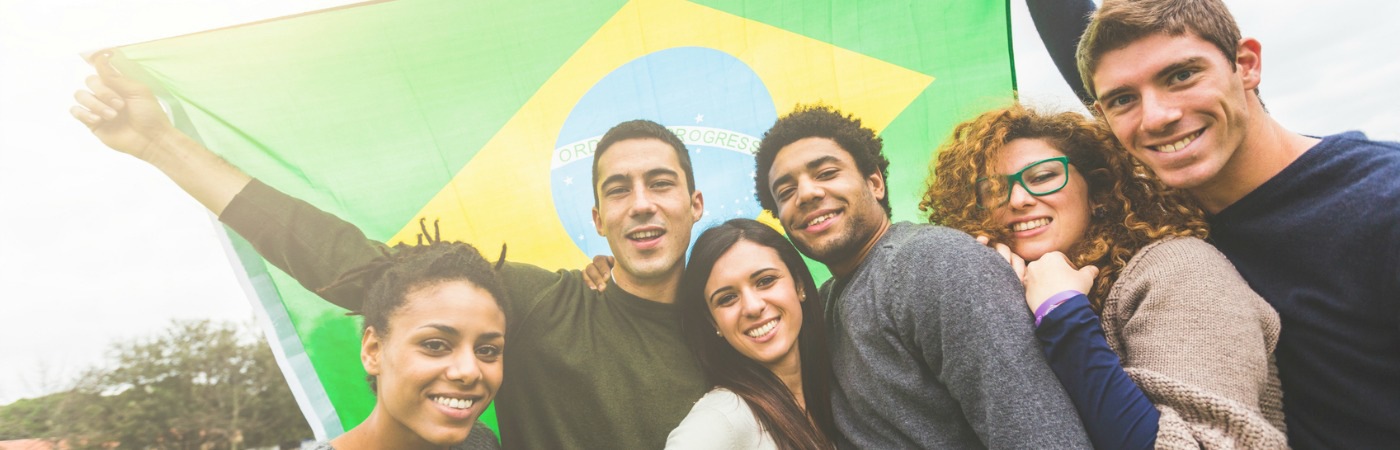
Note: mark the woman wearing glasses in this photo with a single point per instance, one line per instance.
(1164, 345)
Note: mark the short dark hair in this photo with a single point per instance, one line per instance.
(825, 122)
(643, 129)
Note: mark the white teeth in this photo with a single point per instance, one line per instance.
(645, 234)
(454, 403)
(1178, 145)
(1030, 224)
(820, 219)
(763, 330)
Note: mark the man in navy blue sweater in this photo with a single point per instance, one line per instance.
(1312, 223)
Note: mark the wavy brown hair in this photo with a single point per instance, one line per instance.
(1130, 208)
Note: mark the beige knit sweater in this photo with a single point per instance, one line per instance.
(1200, 343)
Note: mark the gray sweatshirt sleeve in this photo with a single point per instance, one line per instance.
(971, 324)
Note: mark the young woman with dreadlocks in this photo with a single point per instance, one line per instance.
(432, 343)
(1165, 344)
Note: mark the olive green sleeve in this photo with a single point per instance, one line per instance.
(313, 246)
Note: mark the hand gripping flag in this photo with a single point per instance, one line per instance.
(485, 114)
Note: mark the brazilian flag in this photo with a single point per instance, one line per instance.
(485, 114)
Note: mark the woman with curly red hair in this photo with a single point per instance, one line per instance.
(1165, 344)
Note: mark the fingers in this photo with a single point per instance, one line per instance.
(591, 277)
(101, 102)
(596, 275)
(94, 105)
(983, 240)
(1060, 263)
(104, 93)
(119, 84)
(1053, 273)
(1056, 257)
(1018, 264)
(85, 116)
(103, 62)
(1055, 269)
(1004, 251)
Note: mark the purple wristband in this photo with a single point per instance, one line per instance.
(1053, 302)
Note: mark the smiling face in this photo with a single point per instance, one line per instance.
(439, 364)
(1051, 222)
(755, 304)
(1179, 106)
(830, 210)
(645, 209)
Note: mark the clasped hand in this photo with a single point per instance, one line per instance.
(1051, 274)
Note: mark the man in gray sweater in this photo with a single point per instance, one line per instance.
(931, 343)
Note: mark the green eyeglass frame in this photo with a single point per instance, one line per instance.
(986, 191)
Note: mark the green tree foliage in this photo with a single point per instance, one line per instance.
(43, 416)
(198, 385)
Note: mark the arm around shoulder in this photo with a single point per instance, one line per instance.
(1180, 308)
(1197, 340)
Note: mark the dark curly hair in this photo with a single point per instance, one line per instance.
(1131, 208)
(407, 268)
(826, 122)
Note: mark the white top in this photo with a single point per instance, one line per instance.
(720, 419)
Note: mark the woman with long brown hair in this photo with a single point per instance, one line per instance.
(751, 314)
(1165, 344)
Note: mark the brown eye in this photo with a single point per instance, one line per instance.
(435, 345)
(488, 352)
(784, 193)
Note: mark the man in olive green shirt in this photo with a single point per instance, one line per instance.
(585, 369)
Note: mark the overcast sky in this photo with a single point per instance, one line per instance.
(96, 246)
